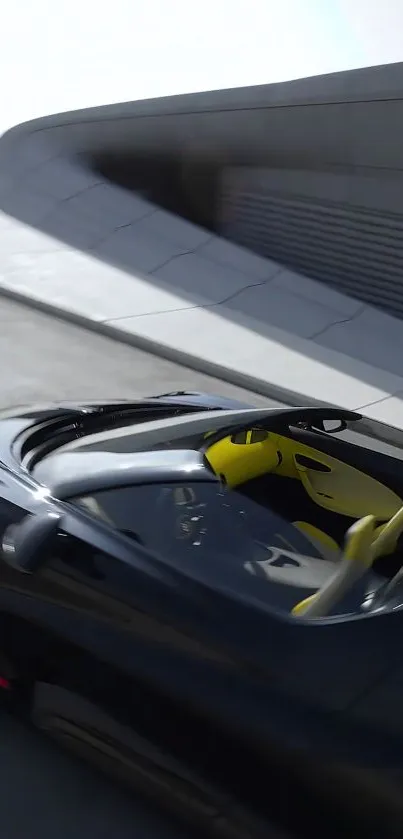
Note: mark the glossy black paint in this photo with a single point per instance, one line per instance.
(78, 474)
(244, 720)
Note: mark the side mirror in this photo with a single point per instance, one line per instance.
(25, 545)
(330, 426)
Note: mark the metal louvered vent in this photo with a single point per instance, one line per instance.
(358, 251)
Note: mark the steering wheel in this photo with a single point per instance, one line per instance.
(364, 543)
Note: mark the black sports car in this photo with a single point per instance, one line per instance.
(204, 599)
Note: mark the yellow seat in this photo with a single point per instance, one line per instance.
(244, 456)
(323, 543)
(357, 558)
(347, 491)
(330, 483)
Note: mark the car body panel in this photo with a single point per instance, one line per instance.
(72, 474)
(114, 640)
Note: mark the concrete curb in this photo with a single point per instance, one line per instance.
(375, 428)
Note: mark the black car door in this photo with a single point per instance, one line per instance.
(132, 665)
(109, 642)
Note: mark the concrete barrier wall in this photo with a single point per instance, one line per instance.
(343, 119)
(335, 228)
(328, 146)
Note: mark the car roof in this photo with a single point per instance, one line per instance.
(73, 474)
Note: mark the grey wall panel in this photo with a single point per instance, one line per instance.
(342, 119)
(332, 227)
(329, 154)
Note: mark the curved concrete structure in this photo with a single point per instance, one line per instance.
(111, 257)
(326, 199)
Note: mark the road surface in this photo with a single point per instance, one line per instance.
(43, 792)
(44, 358)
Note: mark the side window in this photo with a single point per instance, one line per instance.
(132, 510)
(175, 521)
(146, 513)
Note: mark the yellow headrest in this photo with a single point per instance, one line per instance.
(242, 461)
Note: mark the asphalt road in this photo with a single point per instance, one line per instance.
(43, 358)
(43, 792)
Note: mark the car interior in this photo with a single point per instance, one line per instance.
(316, 498)
(321, 494)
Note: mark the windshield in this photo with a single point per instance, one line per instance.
(218, 536)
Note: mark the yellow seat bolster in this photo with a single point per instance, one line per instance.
(321, 540)
(300, 607)
(387, 535)
(357, 558)
(242, 462)
(387, 548)
(344, 489)
(359, 540)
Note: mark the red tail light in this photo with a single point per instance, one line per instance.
(4, 684)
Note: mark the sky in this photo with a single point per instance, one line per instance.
(58, 56)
